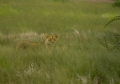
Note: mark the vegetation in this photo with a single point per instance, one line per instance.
(83, 53)
(116, 3)
(115, 18)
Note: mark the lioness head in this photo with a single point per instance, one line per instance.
(51, 38)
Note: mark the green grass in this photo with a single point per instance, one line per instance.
(83, 54)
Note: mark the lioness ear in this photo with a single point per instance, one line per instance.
(55, 36)
(48, 36)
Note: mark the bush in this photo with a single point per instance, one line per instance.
(116, 3)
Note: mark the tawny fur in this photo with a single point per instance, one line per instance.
(25, 44)
(49, 41)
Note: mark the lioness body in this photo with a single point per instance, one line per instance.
(25, 44)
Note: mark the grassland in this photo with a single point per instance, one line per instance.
(83, 54)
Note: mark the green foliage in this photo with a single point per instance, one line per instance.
(74, 57)
(82, 54)
(115, 18)
(116, 3)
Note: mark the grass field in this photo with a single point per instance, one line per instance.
(84, 53)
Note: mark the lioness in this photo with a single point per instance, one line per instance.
(49, 41)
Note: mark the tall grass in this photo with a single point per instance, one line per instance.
(83, 53)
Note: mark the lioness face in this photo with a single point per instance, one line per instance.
(52, 39)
